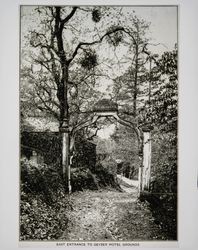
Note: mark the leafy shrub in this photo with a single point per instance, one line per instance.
(85, 154)
(164, 210)
(47, 144)
(100, 177)
(40, 179)
(41, 221)
(105, 177)
(43, 206)
(163, 190)
(109, 164)
(82, 178)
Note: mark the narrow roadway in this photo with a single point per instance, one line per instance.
(110, 215)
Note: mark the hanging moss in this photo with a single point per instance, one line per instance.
(96, 15)
(89, 60)
(115, 38)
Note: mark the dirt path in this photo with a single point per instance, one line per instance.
(110, 215)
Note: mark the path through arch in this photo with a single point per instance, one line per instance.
(111, 215)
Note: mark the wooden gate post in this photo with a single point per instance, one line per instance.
(65, 155)
(140, 180)
(146, 161)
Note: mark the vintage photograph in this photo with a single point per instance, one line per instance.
(98, 123)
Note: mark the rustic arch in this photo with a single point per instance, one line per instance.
(107, 108)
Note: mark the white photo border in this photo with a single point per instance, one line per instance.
(9, 132)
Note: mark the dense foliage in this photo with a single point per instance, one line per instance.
(43, 206)
(126, 152)
(47, 144)
(162, 114)
(101, 177)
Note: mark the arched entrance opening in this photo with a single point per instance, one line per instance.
(106, 108)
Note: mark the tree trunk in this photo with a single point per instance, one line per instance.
(135, 82)
(150, 82)
(63, 99)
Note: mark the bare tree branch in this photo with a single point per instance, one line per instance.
(67, 18)
(79, 46)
